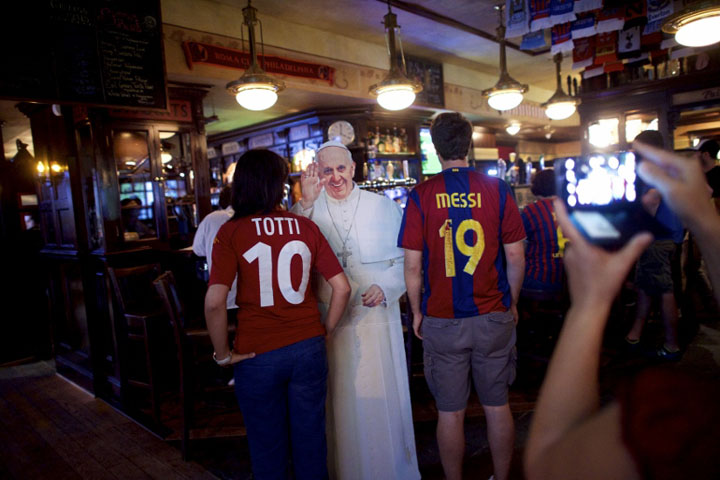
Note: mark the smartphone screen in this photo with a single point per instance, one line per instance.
(601, 193)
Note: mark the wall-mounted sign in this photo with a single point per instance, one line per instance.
(107, 53)
(230, 148)
(211, 152)
(299, 132)
(430, 74)
(196, 52)
(261, 141)
(178, 111)
(709, 94)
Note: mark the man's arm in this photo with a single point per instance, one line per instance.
(338, 299)
(216, 319)
(515, 258)
(567, 427)
(683, 186)
(413, 282)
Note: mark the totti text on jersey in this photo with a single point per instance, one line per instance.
(458, 200)
(272, 225)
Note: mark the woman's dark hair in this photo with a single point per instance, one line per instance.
(543, 185)
(225, 198)
(258, 183)
(451, 134)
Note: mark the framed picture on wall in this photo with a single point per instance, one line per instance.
(280, 150)
(295, 147)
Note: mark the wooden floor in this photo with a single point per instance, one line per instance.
(49, 428)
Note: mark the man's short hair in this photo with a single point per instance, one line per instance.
(651, 137)
(452, 135)
(711, 147)
(543, 184)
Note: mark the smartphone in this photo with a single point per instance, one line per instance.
(602, 194)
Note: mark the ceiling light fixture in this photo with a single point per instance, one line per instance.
(513, 128)
(697, 25)
(507, 92)
(560, 105)
(396, 91)
(255, 89)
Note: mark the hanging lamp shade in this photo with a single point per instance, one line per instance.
(513, 128)
(396, 91)
(560, 105)
(255, 89)
(697, 25)
(507, 92)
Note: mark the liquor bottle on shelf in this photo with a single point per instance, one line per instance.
(389, 147)
(381, 147)
(371, 144)
(396, 140)
(404, 140)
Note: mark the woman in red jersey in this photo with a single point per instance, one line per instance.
(279, 349)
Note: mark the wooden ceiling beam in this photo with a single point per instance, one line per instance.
(442, 19)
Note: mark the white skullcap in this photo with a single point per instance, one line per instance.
(333, 143)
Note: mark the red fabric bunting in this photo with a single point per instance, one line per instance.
(606, 48)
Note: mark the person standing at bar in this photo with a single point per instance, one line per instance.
(279, 351)
(205, 238)
(463, 237)
(370, 429)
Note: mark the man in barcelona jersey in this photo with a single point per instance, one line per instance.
(463, 240)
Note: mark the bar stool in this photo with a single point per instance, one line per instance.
(194, 358)
(139, 306)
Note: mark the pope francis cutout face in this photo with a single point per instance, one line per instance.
(336, 171)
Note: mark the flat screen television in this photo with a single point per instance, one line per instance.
(430, 160)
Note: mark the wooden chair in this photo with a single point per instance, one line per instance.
(139, 306)
(194, 358)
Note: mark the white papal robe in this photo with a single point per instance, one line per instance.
(369, 415)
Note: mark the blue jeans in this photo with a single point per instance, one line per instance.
(282, 398)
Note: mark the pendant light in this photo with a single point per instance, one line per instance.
(697, 25)
(396, 91)
(561, 105)
(507, 92)
(513, 128)
(255, 89)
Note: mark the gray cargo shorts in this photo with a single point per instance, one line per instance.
(455, 347)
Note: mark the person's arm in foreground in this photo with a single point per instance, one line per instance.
(569, 436)
(338, 299)
(413, 282)
(216, 319)
(682, 184)
(515, 257)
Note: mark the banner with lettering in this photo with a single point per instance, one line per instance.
(584, 26)
(517, 18)
(629, 43)
(635, 13)
(539, 14)
(584, 52)
(606, 47)
(531, 41)
(561, 38)
(611, 19)
(196, 52)
(587, 5)
(561, 11)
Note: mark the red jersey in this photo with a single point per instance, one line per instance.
(460, 219)
(273, 255)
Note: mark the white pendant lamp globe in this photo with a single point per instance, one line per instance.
(513, 128)
(560, 105)
(507, 92)
(396, 91)
(255, 89)
(697, 25)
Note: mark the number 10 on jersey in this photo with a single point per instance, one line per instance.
(474, 251)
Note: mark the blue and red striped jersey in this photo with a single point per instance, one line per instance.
(460, 219)
(543, 258)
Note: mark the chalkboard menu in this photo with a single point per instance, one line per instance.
(98, 52)
(430, 74)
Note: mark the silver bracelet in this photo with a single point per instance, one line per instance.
(224, 361)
